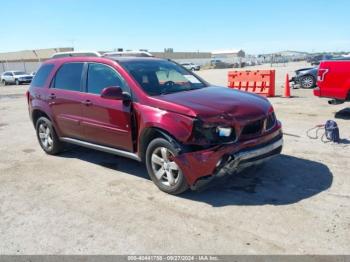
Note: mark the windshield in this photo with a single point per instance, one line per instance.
(19, 73)
(160, 77)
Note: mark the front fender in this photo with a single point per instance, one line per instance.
(177, 125)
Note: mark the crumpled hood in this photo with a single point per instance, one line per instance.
(220, 102)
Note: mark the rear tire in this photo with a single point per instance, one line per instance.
(163, 171)
(47, 136)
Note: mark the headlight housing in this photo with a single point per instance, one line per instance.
(213, 133)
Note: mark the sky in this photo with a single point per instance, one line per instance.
(256, 26)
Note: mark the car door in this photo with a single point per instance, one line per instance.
(106, 122)
(13, 77)
(9, 77)
(65, 99)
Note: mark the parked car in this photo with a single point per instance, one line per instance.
(15, 77)
(218, 64)
(186, 131)
(316, 60)
(191, 66)
(333, 80)
(305, 77)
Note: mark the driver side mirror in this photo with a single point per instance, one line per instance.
(115, 93)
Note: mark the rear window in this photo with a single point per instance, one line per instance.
(68, 77)
(41, 76)
(18, 73)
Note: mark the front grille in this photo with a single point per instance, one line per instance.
(260, 126)
(253, 128)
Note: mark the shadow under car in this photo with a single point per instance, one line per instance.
(282, 180)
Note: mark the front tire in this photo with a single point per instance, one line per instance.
(307, 81)
(47, 136)
(162, 169)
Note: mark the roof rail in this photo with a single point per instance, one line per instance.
(76, 54)
(128, 53)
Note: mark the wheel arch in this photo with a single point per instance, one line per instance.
(348, 95)
(308, 75)
(37, 113)
(152, 133)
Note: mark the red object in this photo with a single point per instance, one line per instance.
(333, 80)
(184, 118)
(260, 82)
(287, 87)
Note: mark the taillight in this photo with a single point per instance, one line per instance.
(321, 74)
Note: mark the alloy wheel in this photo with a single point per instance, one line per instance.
(164, 168)
(307, 82)
(45, 136)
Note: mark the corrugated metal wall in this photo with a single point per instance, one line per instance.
(27, 60)
(21, 66)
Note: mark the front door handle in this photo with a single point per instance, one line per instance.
(87, 102)
(52, 96)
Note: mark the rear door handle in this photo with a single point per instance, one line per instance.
(52, 96)
(87, 102)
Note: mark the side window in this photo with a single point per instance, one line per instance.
(41, 76)
(68, 77)
(101, 76)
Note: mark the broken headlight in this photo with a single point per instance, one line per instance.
(213, 133)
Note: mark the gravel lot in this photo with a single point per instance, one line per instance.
(88, 202)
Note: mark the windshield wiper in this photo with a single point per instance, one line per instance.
(182, 90)
(170, 92)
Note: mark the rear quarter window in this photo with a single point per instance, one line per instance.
(42, 75)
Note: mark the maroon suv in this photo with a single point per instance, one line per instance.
(152, 110)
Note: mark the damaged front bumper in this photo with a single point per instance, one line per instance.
(201, 167)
